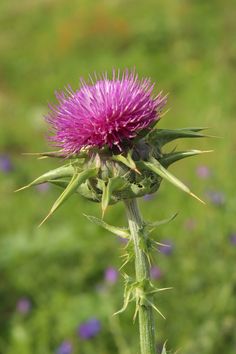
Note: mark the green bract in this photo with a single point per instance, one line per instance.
(108, 177)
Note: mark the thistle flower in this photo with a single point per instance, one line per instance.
(104, 113)
(106, 129)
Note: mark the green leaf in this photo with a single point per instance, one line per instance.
(57, 154)
(82, 189)
(63, 183)
(46, 154)
(127, 299)
(118, 231)
(127, 161)
(193, 129)
(114, 183)
(76, 180)
(155, 308)
(157, 168)
(128, 294)
(153, 225)
(164, 349)
(164, 136)
(172, 157)
(64, 171)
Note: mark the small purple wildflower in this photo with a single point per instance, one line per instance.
(111, 275)
(155, 273)
(43, 188)
(122, 240)
(65, 348)
(89, 329)
(23, 305)
(5, 164)
(148, 197)
(232, 238)
(107, 112)
(203, 172)
(216, 197)
(166, 248)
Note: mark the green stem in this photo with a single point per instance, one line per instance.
(142, 270)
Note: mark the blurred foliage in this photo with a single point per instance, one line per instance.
(189, 48)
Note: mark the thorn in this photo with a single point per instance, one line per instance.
(22, 188)
(155, 308)
(215, 136)
(45, 219)
(194, 196)
(137, 171)
(158, 290)
(136, 312)
(165, 112)
(161, 244)
(148, 258)
(124, 264)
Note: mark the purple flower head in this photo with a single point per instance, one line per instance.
(155, 273)
(166, 248)
(23, 305)
(107, 112)
(203, 172)
(232, 238)
(111, 275)
(64, 348)
(5, 164)
(89, 329)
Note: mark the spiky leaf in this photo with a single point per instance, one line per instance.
(127, 161)
(64, 171)
(172, 157)
(118, 231)
(114, 183)
(161, 137)
(157, 168)
(164, 349)
(76, 180)
(152, 225)
(63, 183)
(57, 154)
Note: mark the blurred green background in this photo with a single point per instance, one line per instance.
(55, 279)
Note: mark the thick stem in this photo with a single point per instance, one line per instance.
(146, 321)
